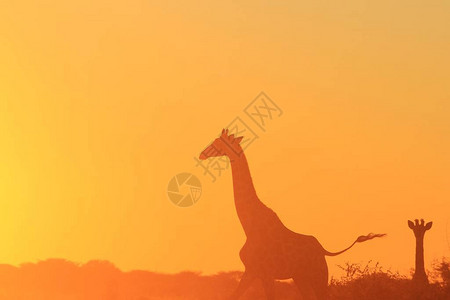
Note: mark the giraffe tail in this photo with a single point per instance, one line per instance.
(360, 239)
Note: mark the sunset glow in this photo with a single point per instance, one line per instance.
(103, 102)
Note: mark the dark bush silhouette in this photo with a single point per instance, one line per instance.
(373, 282)
(100, 280)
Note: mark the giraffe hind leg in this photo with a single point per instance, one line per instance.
(269, 288)
(312, 288)
(319, 280)
(305, 288)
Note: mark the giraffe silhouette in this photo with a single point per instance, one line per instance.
(271, 251)
(419, 229)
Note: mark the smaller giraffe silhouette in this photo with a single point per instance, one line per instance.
(419, 229)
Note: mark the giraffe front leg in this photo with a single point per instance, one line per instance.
(244, 284)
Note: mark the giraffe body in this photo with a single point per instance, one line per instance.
(281, 257)
(271, 251)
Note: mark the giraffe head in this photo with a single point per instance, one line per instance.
(419, 228)
(224, 145)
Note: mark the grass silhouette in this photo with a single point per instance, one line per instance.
(64, 280)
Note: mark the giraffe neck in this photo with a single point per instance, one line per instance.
(419, 272)
(245, 198)
(257, 220)
(242, 180)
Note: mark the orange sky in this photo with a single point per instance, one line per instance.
(102, 102)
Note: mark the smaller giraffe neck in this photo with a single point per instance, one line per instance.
(420, 266)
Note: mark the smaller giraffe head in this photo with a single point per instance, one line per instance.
(419, 228)
(224, 145)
